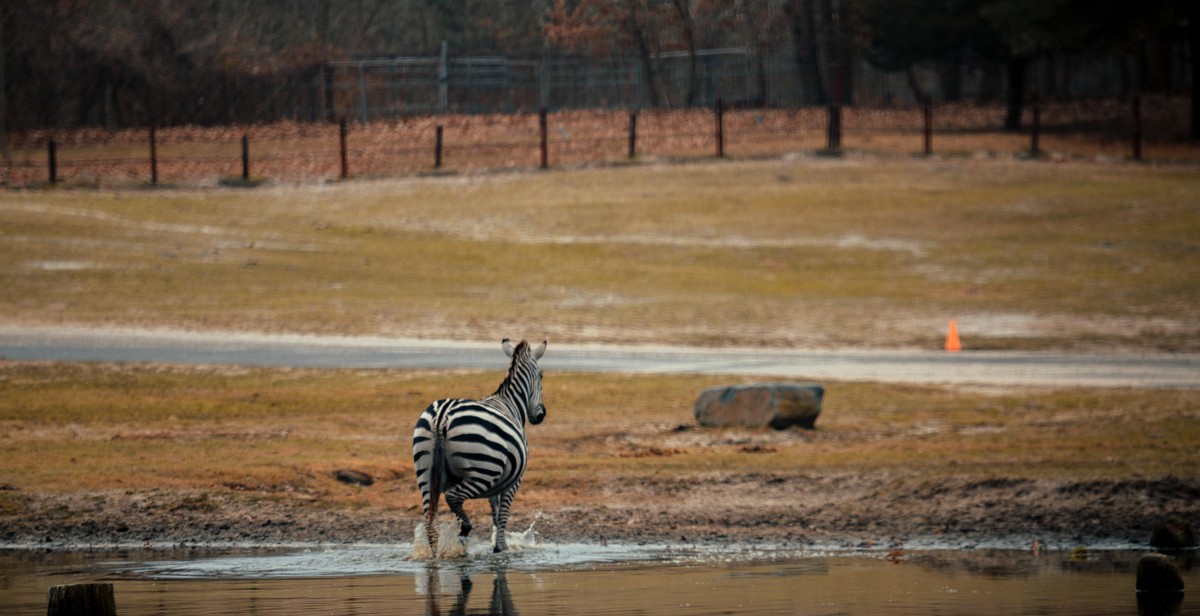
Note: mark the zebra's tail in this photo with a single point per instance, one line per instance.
(436, 468)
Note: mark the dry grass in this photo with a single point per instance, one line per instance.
(282, 433)
(803, 252)
(806, 252)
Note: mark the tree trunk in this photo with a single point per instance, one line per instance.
(949, 74)
(4, 83)
(1194, 43)
(639, 34)
(81, 600)
(803, 22)
(915, 84)
(839, 51)
(1016, 93)
(684, 9)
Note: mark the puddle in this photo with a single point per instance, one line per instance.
(539, 578)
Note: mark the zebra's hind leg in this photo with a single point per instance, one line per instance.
(500, 504)
(429, 512)
(431, 535)
(455, 502)
(496, 532)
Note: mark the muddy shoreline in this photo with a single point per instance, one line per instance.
(873, 512)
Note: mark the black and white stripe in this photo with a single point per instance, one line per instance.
(476, 448)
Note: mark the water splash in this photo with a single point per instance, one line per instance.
(450, 544)
(523, 540)
(420, 546)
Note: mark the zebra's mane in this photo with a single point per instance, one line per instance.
(520, 351)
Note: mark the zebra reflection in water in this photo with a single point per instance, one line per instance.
(476, 448)
(437, 584)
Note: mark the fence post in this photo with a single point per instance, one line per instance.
(342, 148)
(52, 155)
(153, 156)
(928, 128)
(543, 133)
(437, 149)
(633, 134)
(835, 127)
(1137, 127)
(720, 112)
(1035, 130)
(246, 157)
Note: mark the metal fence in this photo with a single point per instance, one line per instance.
(383, 88)
(370, 89)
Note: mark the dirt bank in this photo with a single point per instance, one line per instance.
(837, 510)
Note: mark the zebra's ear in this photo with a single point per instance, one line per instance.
(538, 352)
(506, 344)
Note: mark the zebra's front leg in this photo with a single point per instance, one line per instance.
(500, 504)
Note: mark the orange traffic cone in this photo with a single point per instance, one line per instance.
(953, 344)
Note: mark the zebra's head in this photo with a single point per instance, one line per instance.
(526, 376)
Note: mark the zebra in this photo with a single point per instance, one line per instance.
(476, 448)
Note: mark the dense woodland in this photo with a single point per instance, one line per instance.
(121, 63)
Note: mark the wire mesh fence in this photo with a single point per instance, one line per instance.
(1148, 128)
(376, 88)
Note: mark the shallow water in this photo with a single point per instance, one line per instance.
(589, 579)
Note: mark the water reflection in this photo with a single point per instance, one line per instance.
(437, 581)
(364, 581)
(1159, 604)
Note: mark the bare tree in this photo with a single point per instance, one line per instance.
(805, 20)
(683, 8)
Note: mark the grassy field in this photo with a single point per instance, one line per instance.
(96, 428)
(805, 252)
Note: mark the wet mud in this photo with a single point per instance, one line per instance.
(871, 511)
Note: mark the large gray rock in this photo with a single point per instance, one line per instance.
(778, 405)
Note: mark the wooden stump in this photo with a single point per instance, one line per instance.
(82, 600)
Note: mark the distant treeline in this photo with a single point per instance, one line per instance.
(122, 63)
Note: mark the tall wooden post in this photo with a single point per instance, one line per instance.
(246, 157)
(342, 148)
(633, 134)
(835, 127)
(153, 156)
(928, 127)
(437, 149)
(543, 132)
(720, 113)
(52, 157)
(1137, 127)
(1035, 131)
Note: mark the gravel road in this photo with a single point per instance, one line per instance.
(985, 368)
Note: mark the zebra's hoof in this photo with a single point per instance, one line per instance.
(497, 550)
(465, 530)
